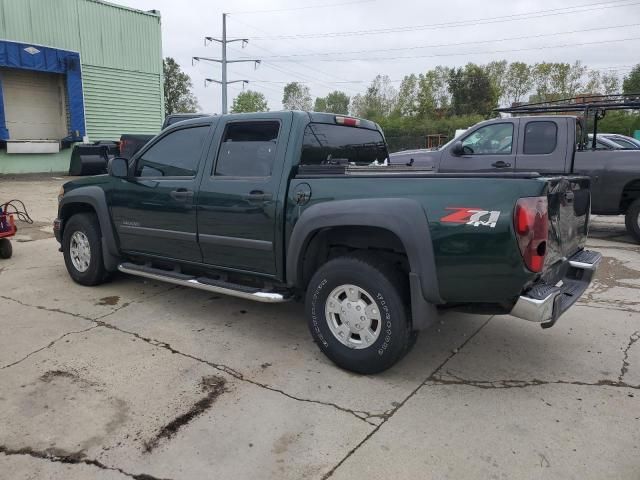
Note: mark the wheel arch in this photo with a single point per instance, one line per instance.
(630, 193)
(92, 199)
(405, 221)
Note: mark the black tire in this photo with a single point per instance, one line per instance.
(632, 220)
(384, 283)
(6, 250)
(87, 224)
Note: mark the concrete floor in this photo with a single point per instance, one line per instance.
(138, 379)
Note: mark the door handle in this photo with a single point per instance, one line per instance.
(181, 194)
(500, 164)
(257, 195)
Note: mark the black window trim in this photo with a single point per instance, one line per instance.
(214, 164)
(161, 137)
(524, 137)
(510, 152)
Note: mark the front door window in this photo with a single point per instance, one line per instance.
(494, 139)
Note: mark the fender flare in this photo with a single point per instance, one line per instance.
(402, 216)
(95, 198)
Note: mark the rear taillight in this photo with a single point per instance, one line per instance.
(531, 223)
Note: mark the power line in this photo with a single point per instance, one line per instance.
(460, 23)
(315, 70)
(224, 61)
(295, 74)
(473, 42)
(306, 7)
(474, 53)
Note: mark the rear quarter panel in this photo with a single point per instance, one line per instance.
(610, 172)
(477, 262)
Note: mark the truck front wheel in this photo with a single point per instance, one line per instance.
(632, 220)
(357, 314)
(82, 249)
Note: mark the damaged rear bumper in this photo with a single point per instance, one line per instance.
(544, 303)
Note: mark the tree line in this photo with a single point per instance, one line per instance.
(443, 98)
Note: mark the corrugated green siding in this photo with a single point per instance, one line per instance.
(115, 38)
(105, 35)
(120, 51)
(117, 101)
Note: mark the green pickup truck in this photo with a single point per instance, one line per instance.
(286, 205)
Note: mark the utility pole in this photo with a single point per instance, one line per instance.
(224, 61)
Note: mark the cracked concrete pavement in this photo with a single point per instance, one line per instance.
(144, 380)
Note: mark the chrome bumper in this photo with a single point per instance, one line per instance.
(545, 303)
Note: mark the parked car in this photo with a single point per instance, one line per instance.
(623, 140)
(279, 205)
(545, 144)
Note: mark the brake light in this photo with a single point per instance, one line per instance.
(348, 121)
(531, 224)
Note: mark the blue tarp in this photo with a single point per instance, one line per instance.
(52, 60)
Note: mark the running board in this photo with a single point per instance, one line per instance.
(203, 283)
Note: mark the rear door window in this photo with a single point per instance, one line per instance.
(248, 149)
(540, 138)
(326, 144)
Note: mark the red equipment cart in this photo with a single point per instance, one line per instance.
(7, 229)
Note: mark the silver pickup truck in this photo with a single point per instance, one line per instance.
(545, 144)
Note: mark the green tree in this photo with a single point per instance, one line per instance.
(178, 97)
(567, 79)
(594, 82)
(519, 82)
(631, 83)
(296, 97)
(542, 73)
(320, 105)
(249, 101)
(472, 91)
(379, 101)
(337, 102)
(433, 92)
(497, 73)
(610, 83)
(407, 105)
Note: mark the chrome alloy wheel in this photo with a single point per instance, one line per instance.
(80, 251)
(353, 316)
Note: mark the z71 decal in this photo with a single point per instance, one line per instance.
(472, 216)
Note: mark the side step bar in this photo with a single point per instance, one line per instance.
(204, 283)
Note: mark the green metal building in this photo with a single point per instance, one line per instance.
(74, 71)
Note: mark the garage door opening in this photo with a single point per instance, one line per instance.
(35, 104)
(41, 98)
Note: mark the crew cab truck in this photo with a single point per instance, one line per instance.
(283, 205)
(547, 144)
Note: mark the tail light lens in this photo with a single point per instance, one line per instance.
(531, 223)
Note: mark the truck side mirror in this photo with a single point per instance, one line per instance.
(457, 148)
(118, 167)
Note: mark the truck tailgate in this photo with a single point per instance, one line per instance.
(568, 209)
(568, 268)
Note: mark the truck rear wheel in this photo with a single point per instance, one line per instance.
(632, 220)
(357, 314)
(82, 249)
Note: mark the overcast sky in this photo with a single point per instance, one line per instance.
(429, 33)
